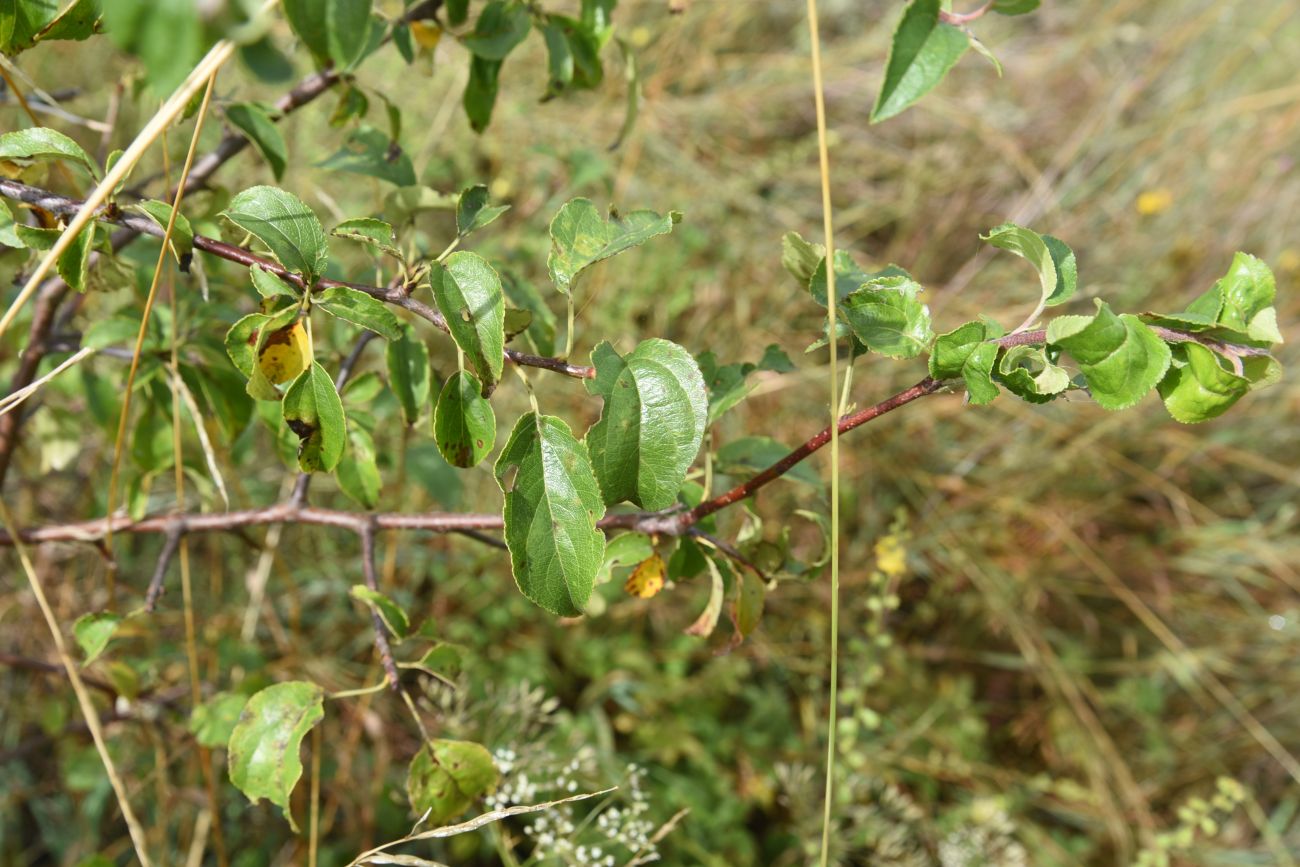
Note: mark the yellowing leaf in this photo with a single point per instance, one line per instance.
(426, 34)
(285, 353)
(647, 579)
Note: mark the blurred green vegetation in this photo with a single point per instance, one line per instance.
(1062, 626)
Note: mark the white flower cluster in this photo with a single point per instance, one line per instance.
(988, 842)
(628, 827)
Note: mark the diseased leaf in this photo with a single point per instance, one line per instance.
(397, 621)
(313, 411)
(93, 632)
(446, 777)
(263, 748)
(580, 237)
(285, 225)
(256, 124)
(408, 373)
(552, 504)
(647, 579)
(464, 426)
(922, 52)
(651, 425)
(886, 315)
(352, 305)
(40, 143)
(369, 151)
(1198, 386)
(1120, 358)
(469, 295)
(708, 620)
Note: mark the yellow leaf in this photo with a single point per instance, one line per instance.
(426, 34)
(1155, 201)
(285, 353)
(647, 578)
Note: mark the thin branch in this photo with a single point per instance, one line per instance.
(396, 296)
(847, 423)
(173, 541)
(54, 290)
(959, 18)
(367, 533)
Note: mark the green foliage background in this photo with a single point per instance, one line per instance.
(1036, 671)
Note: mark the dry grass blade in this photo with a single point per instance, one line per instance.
(472, 825)
(88, 711)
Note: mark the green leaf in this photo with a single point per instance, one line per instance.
(473, 211)
(80, 20)
(1015, 7)
(552, 504)
(964, 352)
(39, 143)
(469, 295)
(632, 80)
(352, 305)
(886, 315)
(559, 59)
(500, 27)
(112, 331)
(481, 91)
(313, 411)
(541, 331)
(1120, 358)
(267, 62)
(358, 473)
(256, 124)
(1030, 373)
(922, 52)
(801, 258)
(263, 748)
(369, 151)
(213, 722)
(389, 611)
(625, 549)
(269, 285)
(446, 777)
(651, 425)
(74, 263)
(347, 25)
(376, 234)
(311, 26)
(1247, 290)
(167, 35)
(93, 632)
(849, 276)
(580, 237)
(464, 426)
(1057, 271)
(583, 53)
(182, 238)
(728, 384)
(408, 373)
(1198, 386)
(8, 234)
(596, 19)
(748, 456)
(285, 225)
